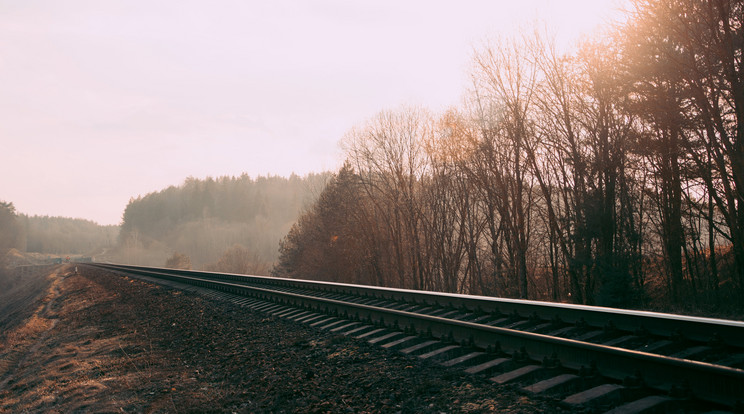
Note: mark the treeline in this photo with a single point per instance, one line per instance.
(62, 235)
(197, 223)
(11, 232)
(610, 175)
(52, 235)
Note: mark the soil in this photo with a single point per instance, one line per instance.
(98, 342)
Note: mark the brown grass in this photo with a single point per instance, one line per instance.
(27, 332)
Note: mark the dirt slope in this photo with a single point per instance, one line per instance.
(20, 290)
(96, 342)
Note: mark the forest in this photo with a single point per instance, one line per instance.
(230, 224)
(52, 235)
(611, 175)
(62, 235)
(11, 232)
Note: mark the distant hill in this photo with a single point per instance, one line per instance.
(203, 218)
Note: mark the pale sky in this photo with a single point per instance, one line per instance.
(102, 100)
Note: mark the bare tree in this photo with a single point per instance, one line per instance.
(504, 82)
(389, 157)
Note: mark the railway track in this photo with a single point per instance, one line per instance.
(592, 359)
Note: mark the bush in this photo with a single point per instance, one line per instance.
(179, 261)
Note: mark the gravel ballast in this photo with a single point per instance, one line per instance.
(112, 343)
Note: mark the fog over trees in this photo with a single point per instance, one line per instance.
(611, 175)
(62, 235)
(52, 236)
(230, 224)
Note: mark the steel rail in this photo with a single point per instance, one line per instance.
(708, 382)
(655, 323)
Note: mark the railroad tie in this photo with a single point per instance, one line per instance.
(419, 347)
(397, 342)
(488, 365)
(356, 330)
(384, 337)
(439, 351)
(370, 333)
(516, 374)
(655, 402)
(461, 359)
(345, 326)
(559, 382)
(598, 395)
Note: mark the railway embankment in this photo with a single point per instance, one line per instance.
(94, 341)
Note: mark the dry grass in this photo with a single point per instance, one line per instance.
(28, 331)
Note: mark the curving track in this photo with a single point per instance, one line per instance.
(593, 358)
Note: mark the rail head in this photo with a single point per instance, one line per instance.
(663, 324)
